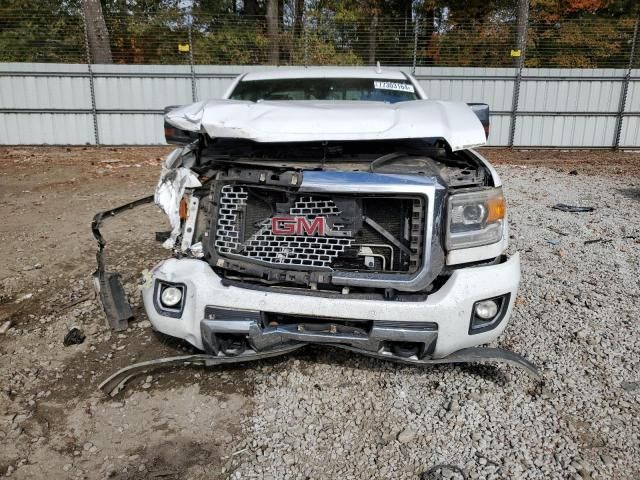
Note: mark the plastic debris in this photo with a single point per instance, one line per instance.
(74, 337)
(598, 240)
(443, 471)
(571, 208)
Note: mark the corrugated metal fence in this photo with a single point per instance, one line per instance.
(67, 104)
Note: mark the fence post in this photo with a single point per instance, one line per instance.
(416, 27)
(624, 92)
(194, 94)
(514, 104)
(305, 34)
(92, 90)
(523, 10)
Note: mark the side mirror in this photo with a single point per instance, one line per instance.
(482, 112)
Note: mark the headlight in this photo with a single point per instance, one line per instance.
(171, 296)
(475, 218)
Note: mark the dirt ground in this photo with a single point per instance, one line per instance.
(184, 423)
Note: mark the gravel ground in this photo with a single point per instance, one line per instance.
(341, 417)
(325, 413)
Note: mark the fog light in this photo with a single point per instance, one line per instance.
(171, 296)
(486, 309)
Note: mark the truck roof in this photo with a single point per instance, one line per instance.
(324, 72)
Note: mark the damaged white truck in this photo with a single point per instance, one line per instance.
(334, 206)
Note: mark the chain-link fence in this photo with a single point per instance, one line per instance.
(570, 82)
(174, 36)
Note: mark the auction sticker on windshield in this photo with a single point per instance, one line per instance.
(401, 87)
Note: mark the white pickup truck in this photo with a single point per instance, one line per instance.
(334, 206)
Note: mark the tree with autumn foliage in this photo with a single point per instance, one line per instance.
(560, 33)
(581, 33)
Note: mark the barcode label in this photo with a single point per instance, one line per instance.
(401, 87)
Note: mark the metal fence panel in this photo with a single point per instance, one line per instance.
(575, 90)
(45, 129)
(41, 89)
(493, 86)
(52, 103)
(131, 129)
(141, 87)
(499, 130)
(566, 131)
(633, 98)
(629, 134)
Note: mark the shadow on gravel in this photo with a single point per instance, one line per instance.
(337, 357)
(632, 192)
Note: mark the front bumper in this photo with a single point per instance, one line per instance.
(440, 322)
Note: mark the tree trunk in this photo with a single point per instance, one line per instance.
(97, 34)
(425, 37)
(372, 39)
(272, 31)
(522, 19)
(283, 45)
(297, 19)
(251, 7)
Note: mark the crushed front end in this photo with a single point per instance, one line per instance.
(393, 248)
(270, 256)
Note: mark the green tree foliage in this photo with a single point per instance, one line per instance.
(561, 33)
(41, 31)
(581, 33)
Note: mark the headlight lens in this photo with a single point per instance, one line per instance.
(475, 218)
(171, 296)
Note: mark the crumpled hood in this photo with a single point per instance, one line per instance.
(305, 121)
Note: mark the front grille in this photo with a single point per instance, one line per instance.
(268, 247)
(246, 215)
(233, 201)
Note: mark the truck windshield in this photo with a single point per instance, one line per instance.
(369, 89)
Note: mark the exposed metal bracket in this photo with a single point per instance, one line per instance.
(467, 355)
(382, 231)
(190, 224)
(116, 382)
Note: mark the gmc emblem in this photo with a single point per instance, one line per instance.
(298, 226)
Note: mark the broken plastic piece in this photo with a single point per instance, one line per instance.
(108, 285)
(437, 472)
(75, 336)
(168, 196)
(571, 208)
(114, 300)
